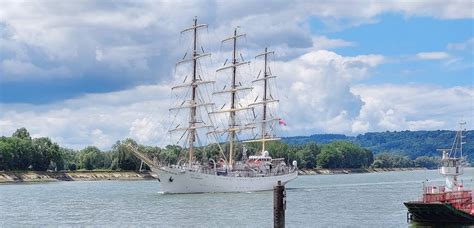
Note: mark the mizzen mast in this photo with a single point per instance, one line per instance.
(195, 101)
(266, 99)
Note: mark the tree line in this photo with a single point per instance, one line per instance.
(21, 152)
(413, 144)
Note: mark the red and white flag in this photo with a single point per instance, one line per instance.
(281, 122)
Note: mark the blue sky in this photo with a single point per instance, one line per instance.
(400, 38)
(347, 68)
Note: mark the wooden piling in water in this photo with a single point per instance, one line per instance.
(279, 205)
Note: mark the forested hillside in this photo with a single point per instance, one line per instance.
(319, 138)
(411, 143)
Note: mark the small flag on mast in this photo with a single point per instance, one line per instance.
(281, 122)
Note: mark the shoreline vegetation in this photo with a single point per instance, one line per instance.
(22, 152)
(7, 177)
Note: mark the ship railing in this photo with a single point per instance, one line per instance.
(434, 189)
(237, 173)
(439, 194)
(466, 206)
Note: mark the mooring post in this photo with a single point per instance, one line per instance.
(279, 205)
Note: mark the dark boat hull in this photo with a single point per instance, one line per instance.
(437, 213)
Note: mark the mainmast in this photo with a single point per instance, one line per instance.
(234, 126)
(266, 99)
(194, 102)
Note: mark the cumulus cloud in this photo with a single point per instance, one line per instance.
(316, 92)
(137, 43)
(319, 83)
(95, 119)
(413, 107)
(132, 35)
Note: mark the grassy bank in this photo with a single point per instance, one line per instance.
(34, 176)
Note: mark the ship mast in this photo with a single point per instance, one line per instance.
(194, 102)
(266, 99)
(456, 149)
(234, 126)
(192, 114)
(451, 161)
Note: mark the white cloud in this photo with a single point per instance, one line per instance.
(131, 34)
(413, 107)
(145, 129)
(95, 119)
(456, 9)
(432, 55)
(314, 90)
(139, 40)
(324, 43)
(315, 93)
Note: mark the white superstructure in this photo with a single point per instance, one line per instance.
(451, 162)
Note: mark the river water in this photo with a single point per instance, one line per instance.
(347, 200)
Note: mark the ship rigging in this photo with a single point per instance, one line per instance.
(259, 172)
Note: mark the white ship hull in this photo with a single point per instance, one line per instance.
(175, 180)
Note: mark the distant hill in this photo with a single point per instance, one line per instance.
(318, 138)
(411, 143)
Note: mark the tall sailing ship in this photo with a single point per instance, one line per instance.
(253, 173)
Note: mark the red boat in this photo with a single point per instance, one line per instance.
(451, 203)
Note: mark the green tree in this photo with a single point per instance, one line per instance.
(122, 157)
(392, 160)
(22, 133)
(91, 158)
(310, 153)
(343, 154)
(22, 153)
(6, 154)
(427, 162)
(171, 154)
(70, 158)
(329, 157)
(46, 155)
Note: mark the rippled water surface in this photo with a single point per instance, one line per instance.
(355, 200)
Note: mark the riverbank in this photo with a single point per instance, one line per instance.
(352, 171)
(99, 175)
(34, 176)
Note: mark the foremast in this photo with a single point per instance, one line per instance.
(267, 98)
(194, 102)
(233, 126)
